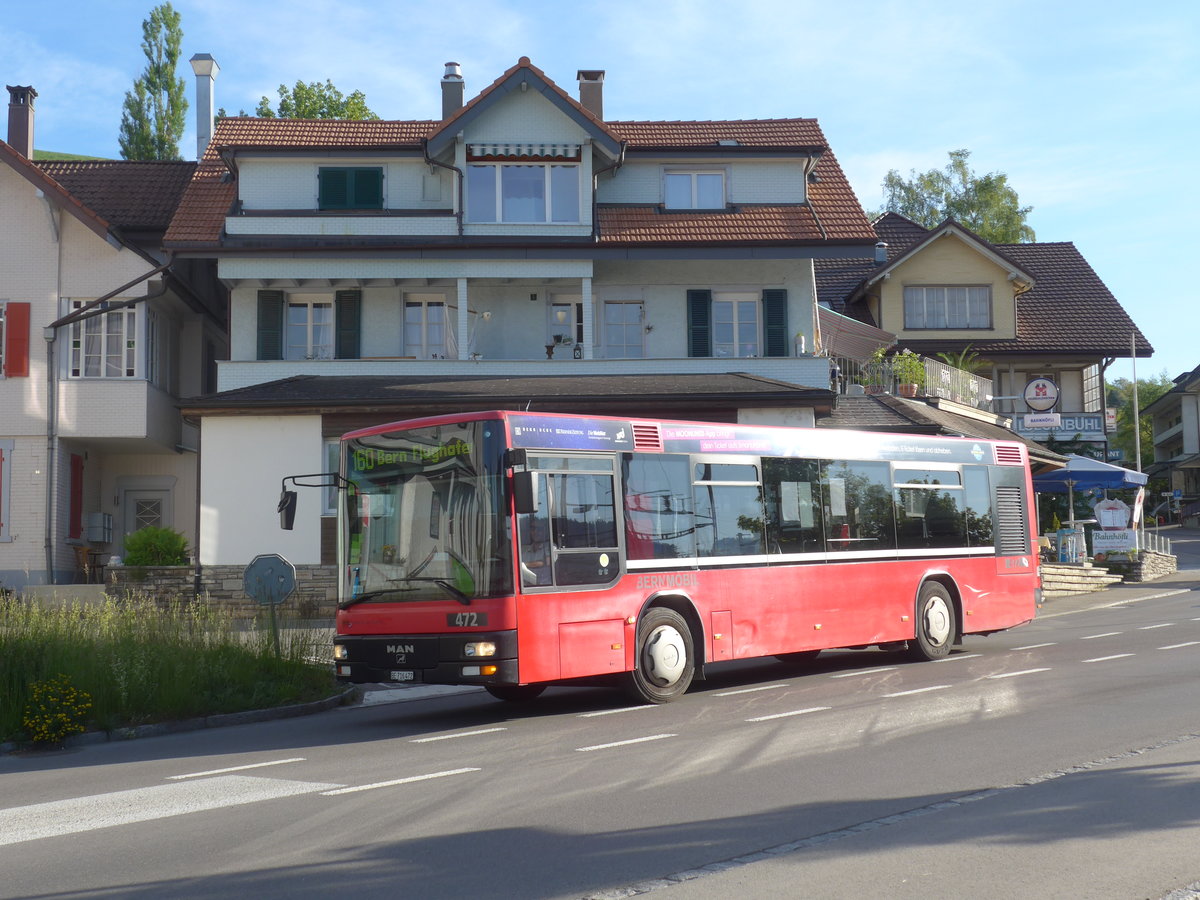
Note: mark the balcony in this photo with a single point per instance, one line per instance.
(806, 371)
(933, 379)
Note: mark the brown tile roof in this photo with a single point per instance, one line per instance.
(35, 176)
(835, 213)
(651, 225)
(129, 194)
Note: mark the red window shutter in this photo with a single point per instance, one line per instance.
(16, 340)
(75, 513)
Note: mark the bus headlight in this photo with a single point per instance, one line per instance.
(479, 648)
(340, 651)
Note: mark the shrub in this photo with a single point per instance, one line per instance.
(152, 546)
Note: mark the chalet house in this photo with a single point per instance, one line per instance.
(100, 334)
(519, 250)
(1030, 312)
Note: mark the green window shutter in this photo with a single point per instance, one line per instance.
(699, 310)
(270, 324)
(368, 188)
(348, 318)
(775, 327)
(333, 188)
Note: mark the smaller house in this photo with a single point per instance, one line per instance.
(1029, 312)
(1175, 424)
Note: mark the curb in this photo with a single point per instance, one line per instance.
(344, 698)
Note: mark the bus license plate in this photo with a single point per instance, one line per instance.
(403, 676)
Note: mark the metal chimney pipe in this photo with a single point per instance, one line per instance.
(453, 90)
(206, 70)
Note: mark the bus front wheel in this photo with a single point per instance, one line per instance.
(666, 661)
(515, 693)
(935, 623)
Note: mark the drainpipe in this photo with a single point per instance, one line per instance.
(458, 206)
(51, 448)
(620, 161)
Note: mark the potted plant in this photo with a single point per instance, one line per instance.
(873, 375)
(909, 371)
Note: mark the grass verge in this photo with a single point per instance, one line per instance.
(144, 661)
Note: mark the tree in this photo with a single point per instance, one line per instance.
(154, 111)
(316, 101)
(986, 204)
(1120, 396)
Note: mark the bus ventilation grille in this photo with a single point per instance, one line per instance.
(646, 436)
(1012, 528)
(1008, 455)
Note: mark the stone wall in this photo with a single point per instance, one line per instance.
(1148, 566)
(315, 596)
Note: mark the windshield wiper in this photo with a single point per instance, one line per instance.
(398, 589)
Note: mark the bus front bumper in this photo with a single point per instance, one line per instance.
(427, 659)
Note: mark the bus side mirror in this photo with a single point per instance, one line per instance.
(287, 510)
(525, 493)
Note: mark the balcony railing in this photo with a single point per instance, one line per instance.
(940, 380)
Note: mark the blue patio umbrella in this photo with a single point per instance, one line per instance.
(1085, 473)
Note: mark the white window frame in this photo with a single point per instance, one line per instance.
(3, 320)
(742, 345)
(549, 193)
(416, 338)
(694, 175)
(120, 327)
(930, 302)
(313, 347)
(571, 307)
(620, 349)
(329, 494)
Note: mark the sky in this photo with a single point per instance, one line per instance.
(1092, 109)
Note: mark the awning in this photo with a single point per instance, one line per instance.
(523, 151)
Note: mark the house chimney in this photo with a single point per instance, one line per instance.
(206, 70)
(453, 88)
(880, 253)
(20, 119)
(591, 91)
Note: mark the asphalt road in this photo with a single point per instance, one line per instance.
(1061, 759)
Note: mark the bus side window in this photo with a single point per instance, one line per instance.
(533, 531)
(660, 521)
(793, 500)
(858, 508)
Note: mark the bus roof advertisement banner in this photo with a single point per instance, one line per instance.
(571, 434)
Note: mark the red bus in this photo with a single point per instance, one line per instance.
(517, 549)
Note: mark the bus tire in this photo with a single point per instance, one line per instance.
(666, 660)
(799, 658)
(515, 693)
(936, 623)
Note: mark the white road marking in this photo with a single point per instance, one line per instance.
(932, 687)
(1015, 674)
(1107, 658)
(1092, 637)
(396, 781)
(1177, 646)
(957, 656)
(641, 740)
(446, 737)
(1152, 627)
(765, 687)
(60, 817)
(865, 672)
(794, 712)
(274, 762)
(609, 712)
(1037, 646)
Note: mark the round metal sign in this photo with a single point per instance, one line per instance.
(1041, 394)
(269, 579)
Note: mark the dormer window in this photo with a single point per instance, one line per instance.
(930, 307)
(350, 187)
(694, 189)
(523, 193)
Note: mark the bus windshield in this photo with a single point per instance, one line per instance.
(426, 516)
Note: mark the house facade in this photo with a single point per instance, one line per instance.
(520, 249)
(1042, 324)
(1175, 426)
(101, 336)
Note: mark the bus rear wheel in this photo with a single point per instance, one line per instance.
(666, 660)
(936, 623)
(515, 693)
